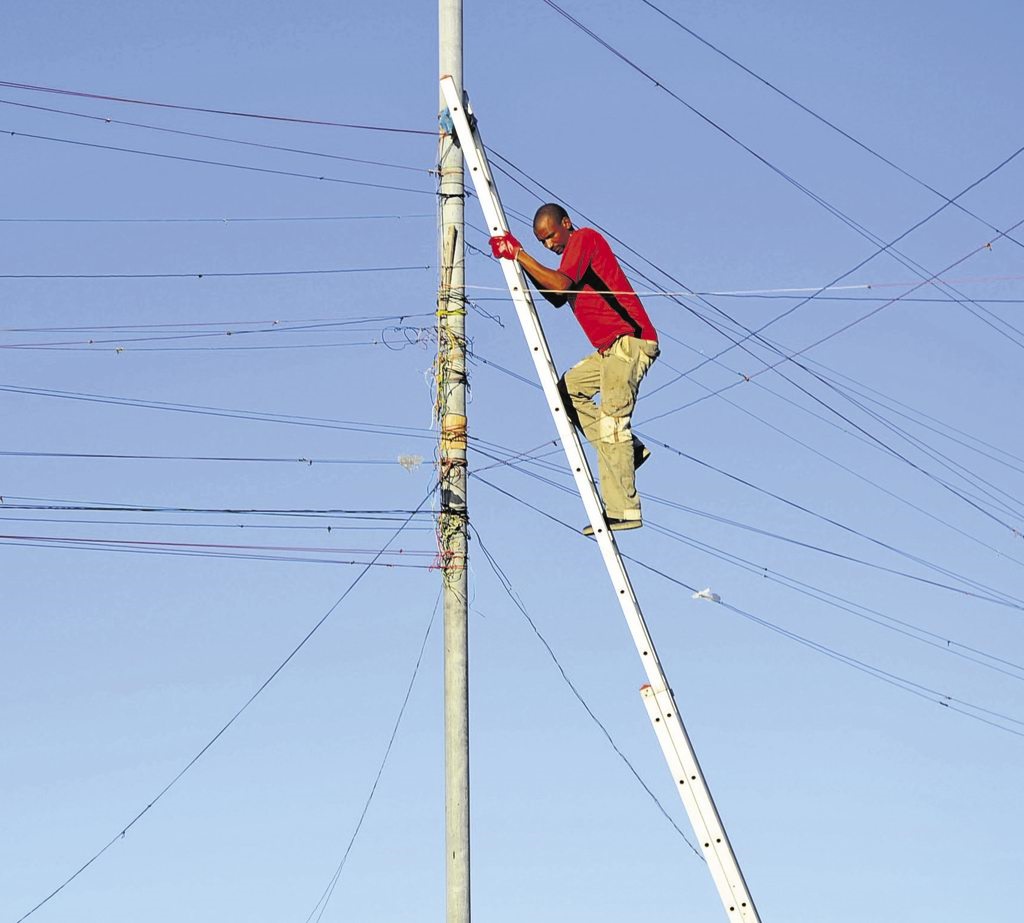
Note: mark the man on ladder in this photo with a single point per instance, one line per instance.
(590, 279)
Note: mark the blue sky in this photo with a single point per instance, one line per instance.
(857, 703)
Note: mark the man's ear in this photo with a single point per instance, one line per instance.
(567, 223)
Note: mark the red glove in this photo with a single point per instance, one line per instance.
(505, 247)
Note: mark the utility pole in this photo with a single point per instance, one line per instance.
(453, 519)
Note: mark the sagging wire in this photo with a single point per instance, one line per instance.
(506, 585)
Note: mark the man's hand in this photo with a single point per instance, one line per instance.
(505, 247)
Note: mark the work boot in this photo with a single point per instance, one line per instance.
(616, 525)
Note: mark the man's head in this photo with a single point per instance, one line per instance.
(552, 226)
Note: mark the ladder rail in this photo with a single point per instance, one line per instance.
(657, 694)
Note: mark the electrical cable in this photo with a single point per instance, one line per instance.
(195, 759)
(963, 707)
(206, 137)
(506, 585)
(321, 904)
(210, 111)
(862, 145)
(213, 163)
(224, 220)
(211, 275)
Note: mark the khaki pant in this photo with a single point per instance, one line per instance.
(616, 374)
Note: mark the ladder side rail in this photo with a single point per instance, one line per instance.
(700, 806)
(657, 695)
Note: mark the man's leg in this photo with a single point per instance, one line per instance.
(578, 387)
(623, 367)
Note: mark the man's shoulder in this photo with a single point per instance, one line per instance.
(587, 234)
(587, 240)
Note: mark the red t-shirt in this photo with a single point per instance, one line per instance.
(601, 297)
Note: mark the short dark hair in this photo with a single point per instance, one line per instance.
(551, 210)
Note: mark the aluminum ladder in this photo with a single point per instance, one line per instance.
(656, 693)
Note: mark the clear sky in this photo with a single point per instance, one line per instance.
(244, 378)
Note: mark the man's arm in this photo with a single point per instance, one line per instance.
(549, 282)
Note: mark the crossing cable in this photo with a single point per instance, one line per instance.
(207, 137)
(236, 114)
(46, 504)
(986, 716)
(851, 223)
(786, 434)
(212, 275)
(214, 163)
(195, 759)
(824, 419)
(891, 623)
(862, 145)
(949, 463)
(750, 333)
(310, 323)
(222, 220)
(506, 585)
(981, 591)
(792, 358)
(846, 219)
(968, 441)
(230, 555)
(321, 904)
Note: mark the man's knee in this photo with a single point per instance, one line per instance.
(612, 429)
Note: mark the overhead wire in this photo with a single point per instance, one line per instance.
(952, 703)
(212, 275)
(788, 435)
(506, 585)
(751, 334)
(237, 219)
(822, 119)
(212, 163)
(985, 659)
(81, 94)
(206, 747)
(106, 120)
(976, 589)
(321, 905)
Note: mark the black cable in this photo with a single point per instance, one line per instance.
(124, 830)
(206, 137)
(968, 709)
(325, 898)
(245, 115)
(862, 145)
(211, 275)
(214, 163)
(506, 585)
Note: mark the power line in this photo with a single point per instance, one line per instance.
(213, 163)
(195, 759)
(211, 275)
(506, 585)
(970, 710)
(321, 904)
(223, 220)
(990, 661)
(861, 144)
(785, 433)
(210, 111)
(207, 137)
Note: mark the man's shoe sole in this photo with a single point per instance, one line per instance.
(617, 525)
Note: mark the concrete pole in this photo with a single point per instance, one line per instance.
(452, 520)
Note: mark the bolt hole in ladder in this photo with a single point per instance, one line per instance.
(657, 695)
